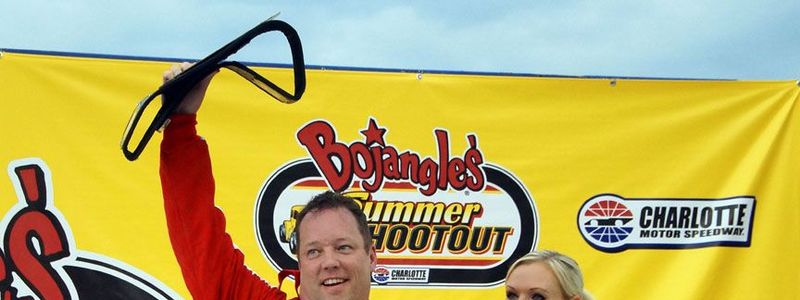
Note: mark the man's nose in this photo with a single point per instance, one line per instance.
(330, 260)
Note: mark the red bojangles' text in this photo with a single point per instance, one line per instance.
(373, 161)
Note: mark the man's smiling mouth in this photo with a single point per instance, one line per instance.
(333, 281)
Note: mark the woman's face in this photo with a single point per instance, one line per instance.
(533, 281)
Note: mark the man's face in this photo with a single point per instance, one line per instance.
(333, 262)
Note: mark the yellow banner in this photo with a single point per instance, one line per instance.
(660, 189)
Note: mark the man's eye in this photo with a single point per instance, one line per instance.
(345, 248)
(312, 253)
(537, 296)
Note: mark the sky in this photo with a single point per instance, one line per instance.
(749, 40)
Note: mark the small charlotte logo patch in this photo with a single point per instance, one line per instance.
(611, 223)
(400, 275)
(381, 275)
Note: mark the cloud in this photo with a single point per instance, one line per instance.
(698, 39)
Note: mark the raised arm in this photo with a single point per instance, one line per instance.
(211, 266)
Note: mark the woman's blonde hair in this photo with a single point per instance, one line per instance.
(566, 269)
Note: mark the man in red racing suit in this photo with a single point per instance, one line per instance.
(211, 266)
(335, 252)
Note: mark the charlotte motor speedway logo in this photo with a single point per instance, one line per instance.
(611, 223)
(440, 220)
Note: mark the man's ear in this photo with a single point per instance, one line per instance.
(373, 258)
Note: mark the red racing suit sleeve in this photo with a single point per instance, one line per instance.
(211, 266)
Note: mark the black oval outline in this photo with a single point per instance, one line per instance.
(305, 168)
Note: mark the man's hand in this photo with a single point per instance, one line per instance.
(191, 103)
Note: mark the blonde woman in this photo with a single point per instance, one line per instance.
(545, 275)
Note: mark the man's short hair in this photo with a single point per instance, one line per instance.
(332, 200)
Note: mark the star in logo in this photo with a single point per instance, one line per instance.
(373, 133)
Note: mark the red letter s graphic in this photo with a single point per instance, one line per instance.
(35, 238)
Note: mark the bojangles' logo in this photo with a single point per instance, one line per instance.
(447, 219)
(38, 259)
(373, 160)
